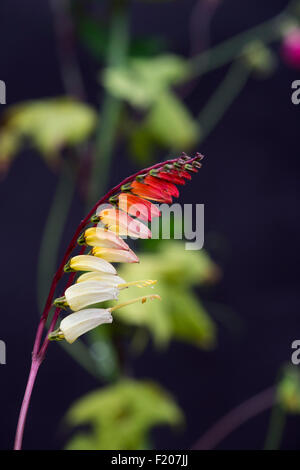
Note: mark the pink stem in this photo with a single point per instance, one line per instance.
(235, 418)
(38, 354)
(24, 408)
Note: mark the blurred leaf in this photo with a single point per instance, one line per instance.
(168, 124)
(142, 145)
(122, 415)
(289, 390)
(142, 81)
(171, 124)
(49, 124)
(9, 144)
(104, 353)
(260, 58)
(179, 315)
(147, 46)
(94, 36)
(196, 327)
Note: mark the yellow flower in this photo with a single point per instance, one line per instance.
(97, 236)
(115, 256)
(124, 225)
(108, 279)
(89, 263)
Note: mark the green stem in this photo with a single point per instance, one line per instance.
(228, 50)
(276, 428)
(223, 97)
(111, 109)
(53, 233)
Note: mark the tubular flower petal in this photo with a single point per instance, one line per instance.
(90, 263)
(108, 279)
(123, 224)
(170, 176)
(115, 256)
(97, 236)
(184, 174)
(87, 293)
(78, 323)
(148, 192)
(170, 188)
(137, 207)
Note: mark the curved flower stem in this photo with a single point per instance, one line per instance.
(223, 97)
(225, 52)
(235, 418)
(38, 353)
(24, 408)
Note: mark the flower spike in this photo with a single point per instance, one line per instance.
(99, 282)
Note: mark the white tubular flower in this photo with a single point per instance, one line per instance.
(85, 320)
(87, 293)
(109, 279)
(115, 256)
(90, 263)
(78, 323)
(97, 236)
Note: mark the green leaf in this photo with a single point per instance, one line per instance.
(190, 321)
(9, 145)
(171, 124)
(260, 58)
(94, 36)
(51, 123)
(288, 391)
(179, 315)
(141, 81)
(141, 146)
(122, 415)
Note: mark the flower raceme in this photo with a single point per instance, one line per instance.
(93, 277)
(131, 209)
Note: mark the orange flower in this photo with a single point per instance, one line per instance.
(184, 174)
(137, 206)
(171, 176)
(157, 183)
(115, 256)
(123, 225)
(148, 192)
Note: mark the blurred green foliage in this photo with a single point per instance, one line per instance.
(121, 416)
(48, 124)
(146, 84)
(180, 315)
(142, 81)
(288, 391)
(94, 34)
(260, 58)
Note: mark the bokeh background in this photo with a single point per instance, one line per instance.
(249, 184)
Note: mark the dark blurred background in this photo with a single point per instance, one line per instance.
(249, 184)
